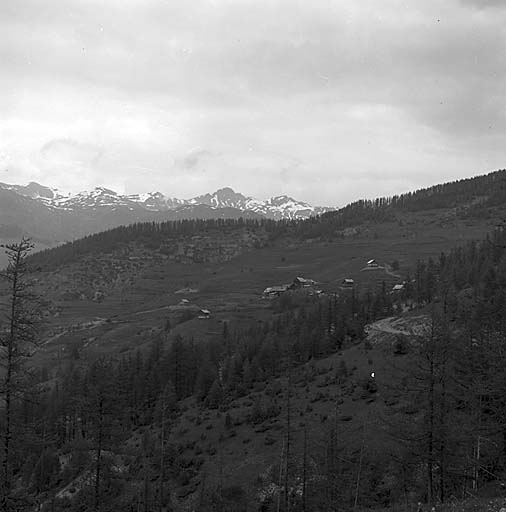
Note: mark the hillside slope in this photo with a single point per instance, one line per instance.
(184, 302)
(50, 218)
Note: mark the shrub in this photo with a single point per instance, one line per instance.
(400, 345)
(228, 421)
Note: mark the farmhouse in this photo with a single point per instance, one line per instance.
(372, 264)
(298, 283)
(275, 291)
(186, 290)
(204, 314)
(301, 282)
(347, 283)
(398, 288)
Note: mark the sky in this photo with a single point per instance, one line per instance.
(327, 101)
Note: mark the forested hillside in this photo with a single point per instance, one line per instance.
(352, 398)
(119, 432)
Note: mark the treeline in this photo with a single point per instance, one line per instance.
(490, 187)
(148, 234)
(473, 197)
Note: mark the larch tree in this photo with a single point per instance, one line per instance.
(19, 310)
(428, 431)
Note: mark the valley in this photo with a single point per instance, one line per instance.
(138, 279)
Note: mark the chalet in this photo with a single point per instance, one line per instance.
(275, 291)
(184, 302)
(186, 290)
(301, 282)
(372, 264)
(398, 288)
(347, 283)
(204, 314)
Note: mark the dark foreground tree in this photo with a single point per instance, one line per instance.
(19, 315)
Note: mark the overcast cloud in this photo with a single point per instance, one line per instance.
(328, 100)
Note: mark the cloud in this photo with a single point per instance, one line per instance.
(71, 165)
(333, 96)
(194, 158)
(484, 4)
(70, 152)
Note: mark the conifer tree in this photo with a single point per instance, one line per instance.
(20, 314)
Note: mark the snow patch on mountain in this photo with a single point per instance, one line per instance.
(279, 207)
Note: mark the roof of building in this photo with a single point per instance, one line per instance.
(280, 288)
(304, 280)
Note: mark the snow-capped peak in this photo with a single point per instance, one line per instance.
(155, 201)
(33, 190)
(279, 207)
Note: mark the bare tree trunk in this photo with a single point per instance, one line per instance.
(162, 447)
(202, 491)
(220, 470)
(442, 442)
(7, 430)
(359, 472)
(99, 454)
(280, 474)
(288, 439)
(146, 485)
(430, 433)
(304, 473)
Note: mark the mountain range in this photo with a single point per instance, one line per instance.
(279, 207)
(50, 217)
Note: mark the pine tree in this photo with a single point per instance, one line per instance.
(18, 342)
(98, 407)
(166, 406)
(427, 389)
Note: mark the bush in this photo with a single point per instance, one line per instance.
(400, 345)
(228, 421)
(187, 315)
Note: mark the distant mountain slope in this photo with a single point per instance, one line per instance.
(33, 190)
(482, 198)
(281, 207)
(50, 217)
(477, 197)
